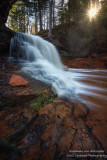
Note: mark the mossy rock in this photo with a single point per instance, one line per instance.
(41, 100)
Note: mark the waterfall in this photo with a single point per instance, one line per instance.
(33, 48)
(42, 61)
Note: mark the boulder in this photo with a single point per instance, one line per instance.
(17, 81)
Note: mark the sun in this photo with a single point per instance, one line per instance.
(92, 12)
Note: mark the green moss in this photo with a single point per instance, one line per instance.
(41, 100)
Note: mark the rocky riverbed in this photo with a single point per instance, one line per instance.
(37, 125)
(94, 61)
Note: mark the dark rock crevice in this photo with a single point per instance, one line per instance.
(5, 6)
(5, 33)
(5, 37)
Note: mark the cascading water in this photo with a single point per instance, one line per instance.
(42, 62)
(33, 48)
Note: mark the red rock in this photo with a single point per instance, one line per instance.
(86, 135)
(83, 135)
(46, 91)
(69, 123)
(56, 110)
(88, 144)
(24, 92)
(58, 101)
(77, 145)
(80, 110)
(50, 131)
(47, 109)
(84, 130)
(16, 81)
(80, 124)
(66, 140)
(48, 154)
(32, 153)
(63, 111)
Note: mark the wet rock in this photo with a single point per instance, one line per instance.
(98, 127)
(69, 123)
(58, 101)
(5, 37)
(50, 133)
(80, 110)
(14, 119)
(32, 153)
(48, 110)
(79, 124)
(16, 81)
(76, 143)
(56, 111)
(48, 154)
(91, 144)
(63, 111)
(66, 140)
(25, 92)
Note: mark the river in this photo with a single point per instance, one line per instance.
(93, 92)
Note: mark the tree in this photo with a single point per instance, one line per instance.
(50, 18)
(19, 17)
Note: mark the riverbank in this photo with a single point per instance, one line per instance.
(35, 124)
(92, 62)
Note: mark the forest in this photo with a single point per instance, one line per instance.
(47, 14)
(53, 79)
(65, 18)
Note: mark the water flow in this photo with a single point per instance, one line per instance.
(33, 48)
(42, 62)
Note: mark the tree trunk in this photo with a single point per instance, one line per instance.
(50, 19)
(53, 13)
(40, 15)
(44, 20)
(35, 15)
(62, 3)
(47, 20)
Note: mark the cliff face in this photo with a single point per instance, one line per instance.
(5, 33)
(5, 36)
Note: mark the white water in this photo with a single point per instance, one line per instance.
(42, 62)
